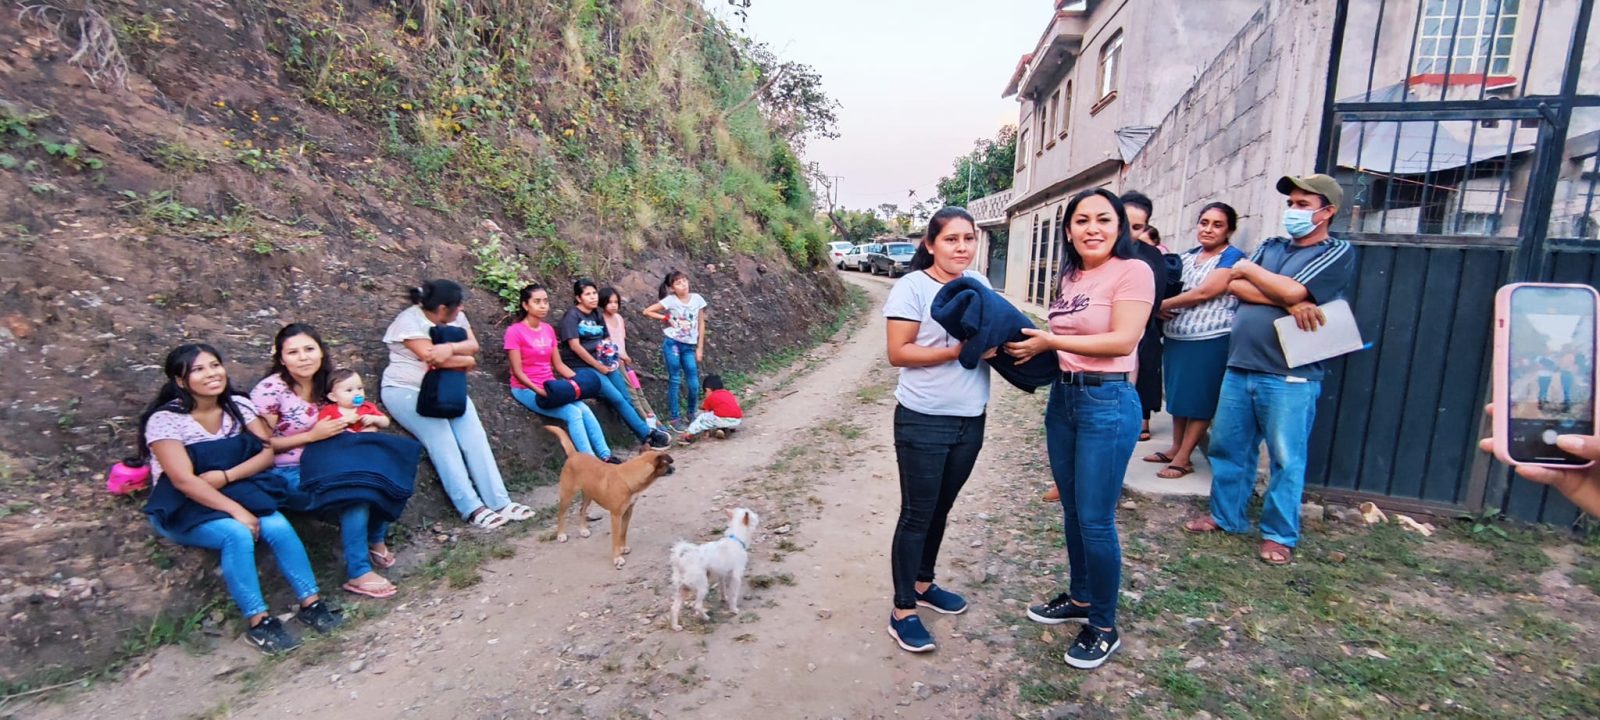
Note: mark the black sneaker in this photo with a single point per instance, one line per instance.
(659, 440)
(318, 617)
(1058, 610)
(1092, 648)
(613, 460)
(270, 637)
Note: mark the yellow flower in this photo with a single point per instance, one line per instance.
(405, 106)
(220, 104)
(567, 132)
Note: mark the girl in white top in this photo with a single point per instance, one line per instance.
(683, 315)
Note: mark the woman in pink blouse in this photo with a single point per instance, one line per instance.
(611, 307)
(1092, 420)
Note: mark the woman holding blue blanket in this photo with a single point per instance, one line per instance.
(212, 489)
(288, 400)
(458, 447)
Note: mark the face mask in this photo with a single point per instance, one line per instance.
(1299, 222)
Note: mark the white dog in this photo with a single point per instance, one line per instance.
(694, 566)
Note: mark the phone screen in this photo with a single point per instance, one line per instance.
(1552, 344)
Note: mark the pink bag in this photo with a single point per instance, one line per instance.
(126, 478)
(633, 379)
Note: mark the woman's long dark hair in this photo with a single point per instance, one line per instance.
(923, 258)
(606, 295)
(435, 294)
(173, 397)
(319, 379)
(1123, 247)
(523, 297)
(666, 283)
(1227, 211)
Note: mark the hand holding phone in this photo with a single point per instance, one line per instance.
(1544, 372)
(1579, 485)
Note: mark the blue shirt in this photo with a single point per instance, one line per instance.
(1325, 269)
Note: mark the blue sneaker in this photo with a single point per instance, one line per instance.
(910, 634)
(942, 600)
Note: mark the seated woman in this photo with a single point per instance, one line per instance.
(531, 345)
(582, 334)
(205, 445)
(458, 447)
(288, 400)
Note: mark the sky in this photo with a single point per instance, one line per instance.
(918, 81)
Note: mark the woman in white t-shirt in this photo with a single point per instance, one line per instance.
(457, 447)
(683, 315)
(938, 422)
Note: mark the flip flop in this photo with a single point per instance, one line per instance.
(1201, 525)
(487, 519)
(1173, 472)
(373, 590)
(1159, 457)
(1275, 553)
(1144, 436)
(381, 561)
(1051, 495)
(517, 512)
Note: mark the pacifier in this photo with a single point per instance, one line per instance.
(357, 400)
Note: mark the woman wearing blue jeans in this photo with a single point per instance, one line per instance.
(531, 346)
(938, 422)
(196, 406)
(1093, 416)
(288, 399)
(583, 335)
(458, 447)
(684, 318)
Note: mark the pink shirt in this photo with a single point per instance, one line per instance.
(536, 347)
(1084, 308)
(272, 396)
(618, 330)
(169, 425)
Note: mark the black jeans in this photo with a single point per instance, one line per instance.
(936, 454)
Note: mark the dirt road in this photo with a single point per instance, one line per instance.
(556, 631)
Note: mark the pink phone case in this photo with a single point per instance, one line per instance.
(1502, 371)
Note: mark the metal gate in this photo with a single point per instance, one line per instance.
(1464, 134)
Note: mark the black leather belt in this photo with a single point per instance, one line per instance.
(1092, 378)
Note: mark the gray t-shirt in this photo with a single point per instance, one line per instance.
(946, 388)
(1325, 269)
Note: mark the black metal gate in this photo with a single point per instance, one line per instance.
(1464, 134)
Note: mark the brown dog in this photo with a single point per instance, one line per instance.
(615, 487)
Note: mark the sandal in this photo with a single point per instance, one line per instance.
(381, 560)
(517, 512)
(487, 519)
(1051, 495)
(1276, 553)
(1202, 524)
(373, 589)
(1159, 457)
(1173, 472)
(1144, 436)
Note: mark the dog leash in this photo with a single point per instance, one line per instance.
(737, 540)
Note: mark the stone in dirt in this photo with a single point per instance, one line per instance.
(1311, 511)
(1070, 710)
(1195, 663)
(824, 614)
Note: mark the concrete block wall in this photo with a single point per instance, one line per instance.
(1252, 115)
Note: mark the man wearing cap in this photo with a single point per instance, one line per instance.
(1262, 398)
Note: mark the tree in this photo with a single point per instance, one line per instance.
(990, 167)
(791, 97)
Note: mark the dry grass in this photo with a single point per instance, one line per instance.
(94, 42)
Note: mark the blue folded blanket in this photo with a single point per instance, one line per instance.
(971, 312)
(585, 384)
(444, 392)
(260, 494)
(373, 468)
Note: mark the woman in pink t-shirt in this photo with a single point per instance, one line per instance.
(1092, 420)
(531, 346)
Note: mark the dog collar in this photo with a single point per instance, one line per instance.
(736, 539)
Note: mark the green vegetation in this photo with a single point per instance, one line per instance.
(19, 132)
(990, 168)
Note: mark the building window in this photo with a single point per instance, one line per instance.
(1048, 129)
(1482, 31)
(1022, 150)
(1110, 64)
(1066, 111)
(1045, 138)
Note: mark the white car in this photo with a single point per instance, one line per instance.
(836, 251)
(856, 258)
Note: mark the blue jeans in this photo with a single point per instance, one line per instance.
(935, 454)
(354, 529)
(679, 358)
(1254, 407)
(620, 401)
(459, 450)
(1090, 432)
(582, 426)
(238, 550)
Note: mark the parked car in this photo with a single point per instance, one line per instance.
(836, 251)
(856, 258)
(893, 260)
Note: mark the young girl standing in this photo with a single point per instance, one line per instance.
(684, 315)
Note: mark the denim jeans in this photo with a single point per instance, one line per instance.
(353, 524)
(620, 401)
(1254, 407)
(238, 550)
(459, 450)
(1090, 432)
(935, 454)
(582, 426)
(680, 361)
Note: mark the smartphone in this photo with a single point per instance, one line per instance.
(1544, 371)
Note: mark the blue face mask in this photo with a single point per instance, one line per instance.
(1298, 222)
